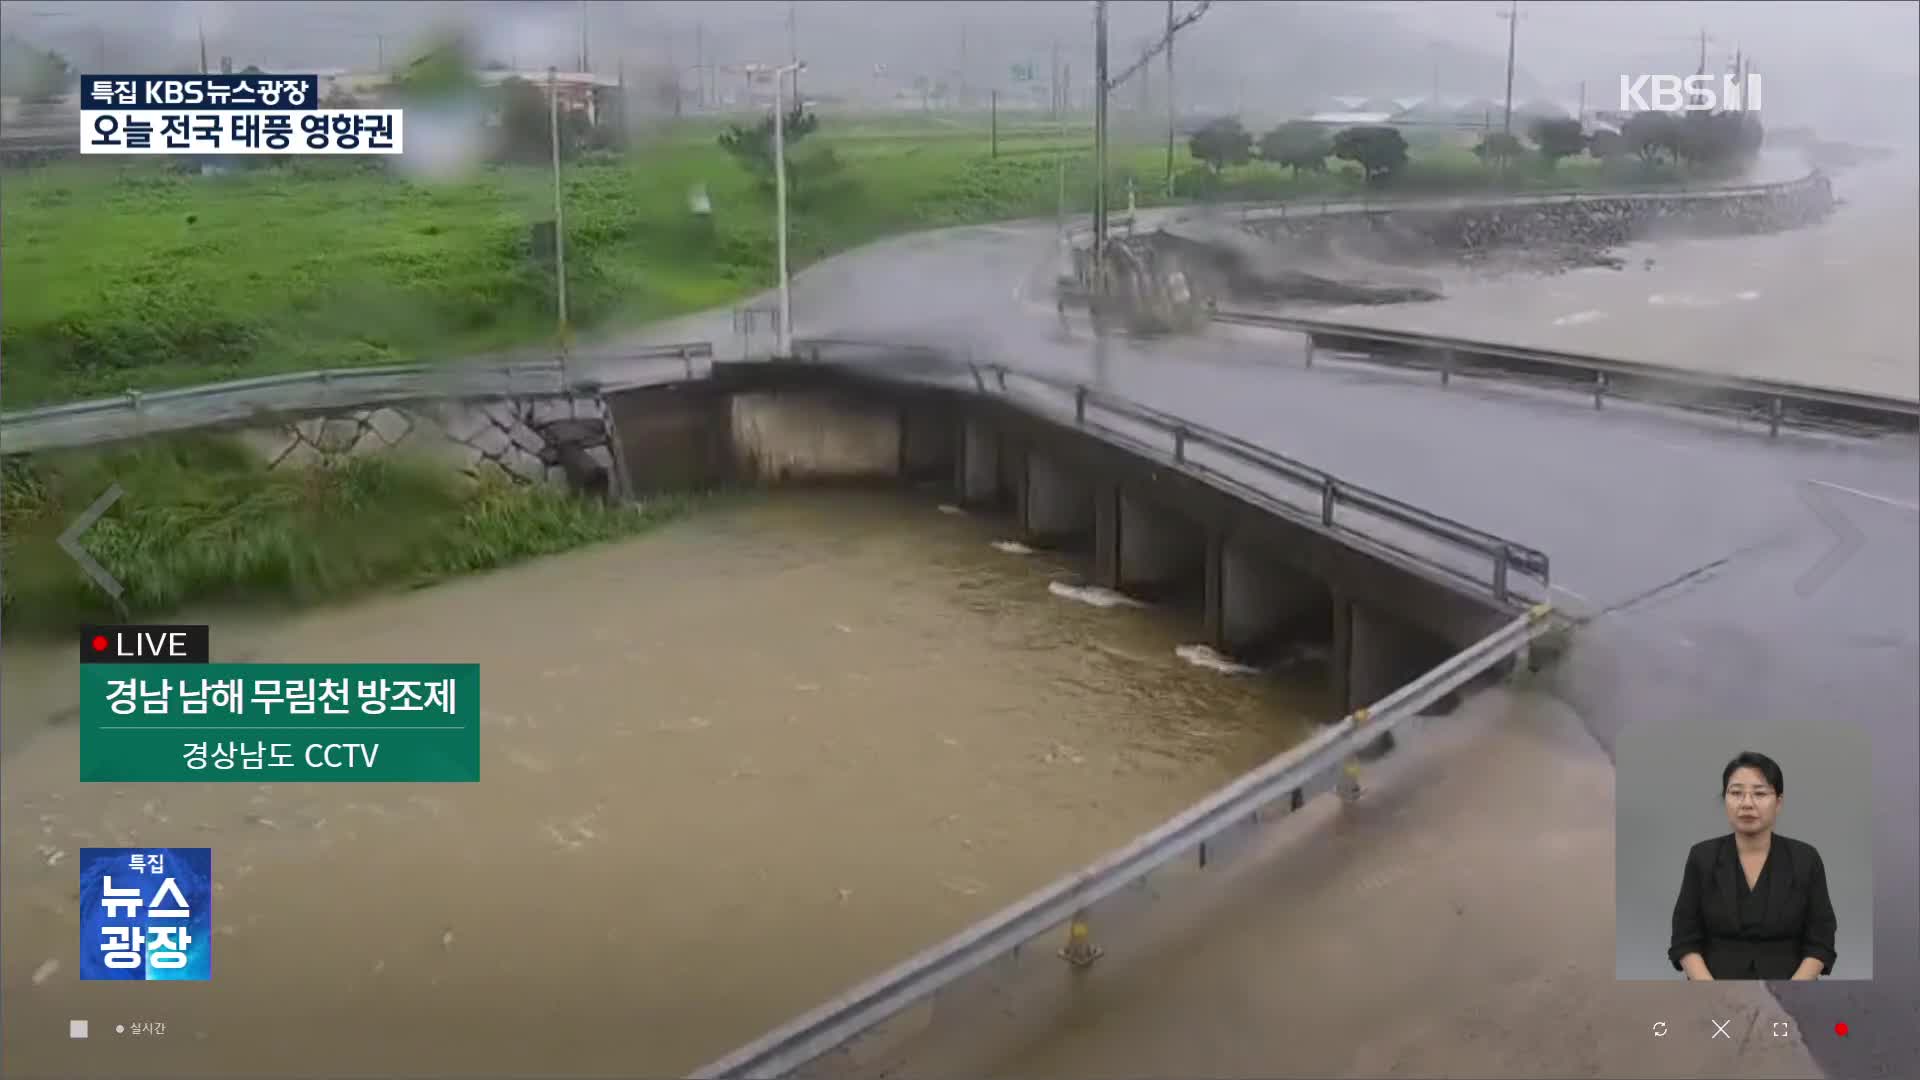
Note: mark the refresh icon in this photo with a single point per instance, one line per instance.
(1659, 1028)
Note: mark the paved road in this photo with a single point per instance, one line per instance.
(1695, 540)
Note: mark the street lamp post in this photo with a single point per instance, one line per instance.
(783, 332)
(1512, 15)
(559, 228)
(1101, 88)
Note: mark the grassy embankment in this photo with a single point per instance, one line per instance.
(203, 522)
(134, 276)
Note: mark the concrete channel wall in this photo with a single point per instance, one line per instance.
(1261, 582)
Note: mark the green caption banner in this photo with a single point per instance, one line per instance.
(280, 723)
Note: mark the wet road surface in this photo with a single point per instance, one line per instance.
(728, 768)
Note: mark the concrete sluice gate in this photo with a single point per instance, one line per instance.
(1269, 590)
(1266, 588)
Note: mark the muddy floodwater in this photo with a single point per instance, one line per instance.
(1828, 305)
(728, 769)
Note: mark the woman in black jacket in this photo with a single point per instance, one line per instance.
(1753, 904)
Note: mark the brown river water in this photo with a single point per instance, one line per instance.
(729, 769)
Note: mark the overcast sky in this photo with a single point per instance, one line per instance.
(1842, 64)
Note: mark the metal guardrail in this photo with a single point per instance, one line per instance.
(1308, 769)
(1505, 559)
(135, 414)
(1775, 401)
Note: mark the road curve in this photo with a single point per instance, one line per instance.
(1688, 541)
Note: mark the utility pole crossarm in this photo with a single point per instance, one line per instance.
(1161, 46)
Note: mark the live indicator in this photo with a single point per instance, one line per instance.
(172, 643)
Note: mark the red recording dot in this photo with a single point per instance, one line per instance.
(1840, 1030)
(99, 643)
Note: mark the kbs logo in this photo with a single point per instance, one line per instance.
(146, 914)
(1689, 93)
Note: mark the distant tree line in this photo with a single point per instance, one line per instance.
(1710, 140)
(1379, 150)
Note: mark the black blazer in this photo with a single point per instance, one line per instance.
(1799, 920)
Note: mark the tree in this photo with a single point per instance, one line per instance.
(1558, 138)
(36, 77)
(1649, 135)
(1298, 146)
(752, 146)
(1499, 148)
(1380, 151)
(1221, 143)
(1606, 145)
(444, 70)
(1716, 139)
(526, 134)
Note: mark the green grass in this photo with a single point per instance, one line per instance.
(132, 276)
(204, 521)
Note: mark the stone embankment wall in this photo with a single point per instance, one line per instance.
(547, 440)
(1593, 222)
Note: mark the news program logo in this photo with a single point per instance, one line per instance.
(146, 914)
(226, 114)
(1689, 93)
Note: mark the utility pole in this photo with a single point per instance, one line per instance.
(1146, 91)
(1100, 149)
(785, 329)
(1102, 87)
(673, 65)
(1583, 104)
(584, 67)
(993, 98)
(559, 227)
(1703, 51)
(966, 98)
(202, 26)
(793, 51)
(1053, 82)
(1512, 15)
(1171, 112)
(1060, 174)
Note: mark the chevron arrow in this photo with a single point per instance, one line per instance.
(70, 541)
(1847, 539)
